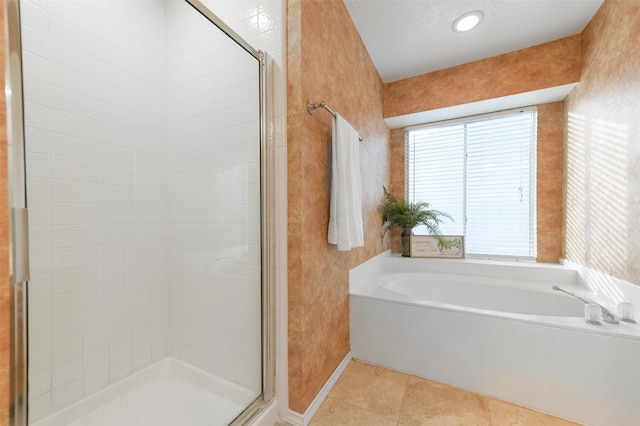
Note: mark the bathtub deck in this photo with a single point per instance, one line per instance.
(368, 394)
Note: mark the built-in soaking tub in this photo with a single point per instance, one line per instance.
(500, 330)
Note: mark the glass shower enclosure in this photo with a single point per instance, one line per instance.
(144, 179)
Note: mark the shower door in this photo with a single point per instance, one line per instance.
(144, 175)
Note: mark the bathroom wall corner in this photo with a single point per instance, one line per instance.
(602, 150)
(4, 241)
(326, 61)
(549, 181)
(397, 177)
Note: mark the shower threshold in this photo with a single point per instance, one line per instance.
(169, 392)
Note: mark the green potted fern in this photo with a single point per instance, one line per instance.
(402, 214)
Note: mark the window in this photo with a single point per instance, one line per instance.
(481, 170)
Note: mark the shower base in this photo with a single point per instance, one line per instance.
(169, 392)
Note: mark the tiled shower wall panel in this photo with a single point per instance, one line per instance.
(214, 213)
(95, 114)
(263, 24)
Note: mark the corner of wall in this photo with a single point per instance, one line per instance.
(318, 294)
(601, 128)
(5, 307)
(549, 181)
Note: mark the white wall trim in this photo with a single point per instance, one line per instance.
(296, 419)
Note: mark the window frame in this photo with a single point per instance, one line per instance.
(532, 177)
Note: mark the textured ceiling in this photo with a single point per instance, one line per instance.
(411, 37)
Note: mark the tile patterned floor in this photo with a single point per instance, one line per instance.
(369, 395)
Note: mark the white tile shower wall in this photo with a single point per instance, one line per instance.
(263, 24)
(95, 113)
(214, 202)
(80, 140)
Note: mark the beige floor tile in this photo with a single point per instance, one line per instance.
(431, 403)
(335, 412)
(368, 395)
(506, 414)
(371, 388)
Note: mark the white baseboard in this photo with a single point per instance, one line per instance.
(296, 419)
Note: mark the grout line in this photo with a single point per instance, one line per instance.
(484, 399)
(404, 397)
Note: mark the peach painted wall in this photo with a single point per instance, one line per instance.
(603, 146)
(538, 67)
(397, 180)
(4, 242)
(326, 61)
(549, 181)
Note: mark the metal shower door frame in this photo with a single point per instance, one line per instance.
(18, 215)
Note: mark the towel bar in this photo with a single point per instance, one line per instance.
(312, 106)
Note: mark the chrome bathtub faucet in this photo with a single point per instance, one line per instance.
(607, 315)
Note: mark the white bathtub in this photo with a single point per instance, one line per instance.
(497, 329)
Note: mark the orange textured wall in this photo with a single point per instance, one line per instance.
(4, 242)
(326, 60)
(603, 146)
(538, 67)
(397, 179)
(549, 181)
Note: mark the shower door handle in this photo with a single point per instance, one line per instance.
(20, 251)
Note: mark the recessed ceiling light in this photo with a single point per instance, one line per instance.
(468, 21)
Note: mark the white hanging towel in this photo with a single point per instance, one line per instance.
(345, 210)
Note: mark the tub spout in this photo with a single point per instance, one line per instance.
(607, 315)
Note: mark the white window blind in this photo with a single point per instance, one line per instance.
(481, 170)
